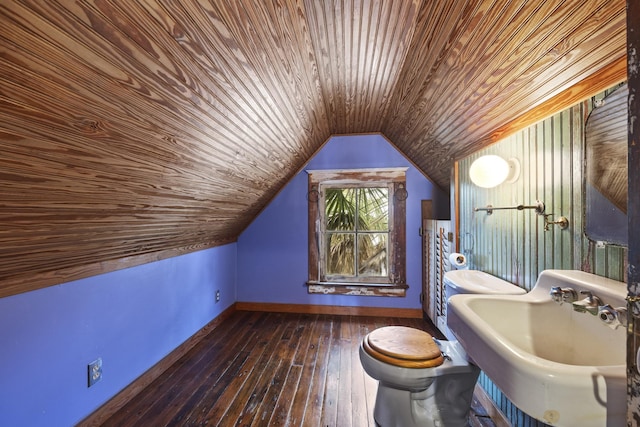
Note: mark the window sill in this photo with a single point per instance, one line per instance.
(359, 289)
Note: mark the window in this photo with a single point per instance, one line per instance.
(357, 232)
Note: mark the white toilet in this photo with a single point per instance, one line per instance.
(421, 381)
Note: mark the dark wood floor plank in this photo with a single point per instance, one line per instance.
(313, 411)
(217, 411)
(284, 406)
(308, 365)
(270, 369)
(370, 384)
(358, 393)
(211, 378)
(197, 407)
(284, 353)
(332, 387)
(344, 407)
(265, 393)
(282, 409)
(242, 409)
(310, 330)
(173, 382)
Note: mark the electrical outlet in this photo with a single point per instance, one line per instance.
(94, 371)
(218, 296)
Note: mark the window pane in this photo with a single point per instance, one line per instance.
(372, 254)
(373, 209)
(340, 254)
(340, 209)
(354, 236)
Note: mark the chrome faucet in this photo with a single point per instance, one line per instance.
(568, 295)
(613, 317)
(590, 304)
(561, 295)
(556, 294)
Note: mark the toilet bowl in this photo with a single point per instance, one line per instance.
(421, 381)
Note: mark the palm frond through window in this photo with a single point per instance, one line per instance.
(356, 226)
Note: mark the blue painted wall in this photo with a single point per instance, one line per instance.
(130, 318)
(273, 250)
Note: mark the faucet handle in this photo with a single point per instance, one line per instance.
(569, 295)
(622, 316)
(561, 295)
(607, 314)
(593, 299)
(613, 317)
(589, 295)
(556, 294)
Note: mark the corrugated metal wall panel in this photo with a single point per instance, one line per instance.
(513, 244)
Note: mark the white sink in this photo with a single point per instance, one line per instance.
(477, 282)
(558, 365)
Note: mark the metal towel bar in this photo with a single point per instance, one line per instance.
(539, 208)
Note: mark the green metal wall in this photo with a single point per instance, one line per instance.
(513, 244)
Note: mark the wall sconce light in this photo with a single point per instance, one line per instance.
(491, 170)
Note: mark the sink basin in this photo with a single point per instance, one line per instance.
(477, 282)
(558, 365)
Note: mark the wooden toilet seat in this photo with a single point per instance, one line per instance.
(404, 347)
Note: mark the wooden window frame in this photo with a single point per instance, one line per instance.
(395, 178)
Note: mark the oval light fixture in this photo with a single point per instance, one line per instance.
(490, 171)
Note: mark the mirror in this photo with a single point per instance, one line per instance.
(606, 169)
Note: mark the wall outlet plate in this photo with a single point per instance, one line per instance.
(218, 296)
(94, 372)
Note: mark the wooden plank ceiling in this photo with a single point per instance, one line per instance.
(130, 128)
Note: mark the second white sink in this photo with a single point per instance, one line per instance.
(559, 366)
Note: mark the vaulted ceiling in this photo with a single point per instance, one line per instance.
(132, 127)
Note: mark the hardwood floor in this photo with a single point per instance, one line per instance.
(268, 369)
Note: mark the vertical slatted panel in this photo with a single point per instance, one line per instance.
(551, 158)
(513, 244)
(443, 245)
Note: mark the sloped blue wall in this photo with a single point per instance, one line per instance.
(130, 318)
